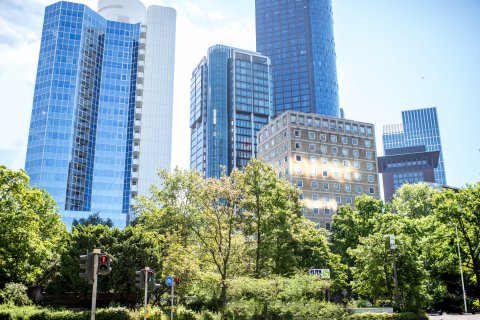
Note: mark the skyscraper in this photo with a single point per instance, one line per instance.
(297, 35)
(230, 101)
(418, 128)
(102, 107)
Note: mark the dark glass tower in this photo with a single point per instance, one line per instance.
(297, 35)
(230, 101)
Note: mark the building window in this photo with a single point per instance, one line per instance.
(323, 137)
(358, 177)
(346, 163)
(348, 200)
(369, 166)
(367, 143)
(355, 141)
(314, 184)
(336, 186)
(314, 197)
(298, 145)
(338, 199)
(356, 164)
(297, 133)
(336, 175)
(311, 147)
(284, 134)
(370, 178)
(372, 190)
(300, 197)
(300, 183)
(358, 189)
(324, 161)
(356, 153)
(286, 171)
(348, 188)
(325, 173)
(315, 210)
(369, 131)
(298, 170)
(311, 135)
(327, 225)
(298, 158)
(344, 140)
(334, 151)
(368, 154)
(327, 210)
(345, 152)
(313, 159)
(313, 172)
(335, 163)
(326, 199)
(325, 186)
(285, 159)
(333, 138)
(346, 175)
(323, 149)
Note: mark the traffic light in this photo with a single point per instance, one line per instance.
(104, 264)
(140, 279)
(152, 285)
(86, 266)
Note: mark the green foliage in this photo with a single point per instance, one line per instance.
(14, 294)
(37, 313)
(31, 231)
(388, 316)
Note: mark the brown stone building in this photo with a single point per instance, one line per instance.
(331, 160)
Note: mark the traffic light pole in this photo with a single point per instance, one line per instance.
(146, 293)
(96, 252)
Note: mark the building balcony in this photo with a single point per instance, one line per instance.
(135, 162)
(141, 54)
(136, 136)
(139, 88)
(141, 65)
(142, 43)
(136, 150)
(137, 124)
(134, 189)
(143, 30)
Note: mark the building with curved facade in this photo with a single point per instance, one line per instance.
(297, 35)
(102, 110)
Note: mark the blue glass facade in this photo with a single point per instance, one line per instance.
(230, 101)
(80, 140)
(297, 35)
(419, 128)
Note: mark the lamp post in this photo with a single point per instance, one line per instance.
(461, 269)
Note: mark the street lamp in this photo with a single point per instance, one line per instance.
(461, 269)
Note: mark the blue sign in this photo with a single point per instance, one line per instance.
(169, 281)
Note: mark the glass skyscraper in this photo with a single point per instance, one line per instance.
(230, 101)
(85, 130)
(297, 35)
(418, 128)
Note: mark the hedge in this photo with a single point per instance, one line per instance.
(388, 316)
(8, 312)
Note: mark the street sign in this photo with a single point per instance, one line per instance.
(392, 242)
(169, 281)
(322, 273)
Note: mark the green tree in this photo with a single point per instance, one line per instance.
(31, 230)
(462, 209)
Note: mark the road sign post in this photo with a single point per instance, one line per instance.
(146, 270)
(96, 252)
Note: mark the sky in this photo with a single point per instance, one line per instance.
(391, 56)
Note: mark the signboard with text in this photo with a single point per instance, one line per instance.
(322, 273)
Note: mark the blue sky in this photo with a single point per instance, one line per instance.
(391, 56)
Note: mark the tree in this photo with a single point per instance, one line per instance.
(462, 209)
(31, 230)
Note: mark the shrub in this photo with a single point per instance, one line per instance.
(388, 316)
(15, 294)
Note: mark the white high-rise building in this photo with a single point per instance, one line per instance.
(156, 60)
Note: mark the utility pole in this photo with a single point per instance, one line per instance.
(461, 269)
(171, 310)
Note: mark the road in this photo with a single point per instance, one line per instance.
(455, 317)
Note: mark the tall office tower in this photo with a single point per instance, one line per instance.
(418, 128)
(331, 160)
(102, 107)
(230, 100)
(297, 35)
